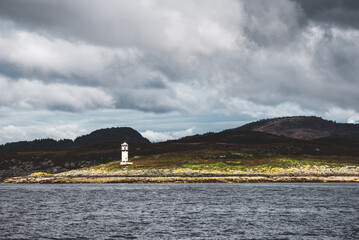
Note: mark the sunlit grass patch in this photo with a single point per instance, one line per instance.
(41, 174)
(207, 161)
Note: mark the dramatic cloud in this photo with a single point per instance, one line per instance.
(338, 12)
(249, 59)
(34, 94)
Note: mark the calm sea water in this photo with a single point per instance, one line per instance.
(179, 211)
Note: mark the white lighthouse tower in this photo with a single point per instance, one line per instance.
(124, 155)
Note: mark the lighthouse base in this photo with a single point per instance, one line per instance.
(126, 163)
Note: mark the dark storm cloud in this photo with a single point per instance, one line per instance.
(115, 23)
(192, 56)
(11, 70)
(272, 26)
(339, 12)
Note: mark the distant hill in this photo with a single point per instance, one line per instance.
(122, 134)
(47, 143)
(303, 127)
(235, 136)
(245, 147)
(119, 134)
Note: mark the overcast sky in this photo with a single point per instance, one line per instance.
(172, 68)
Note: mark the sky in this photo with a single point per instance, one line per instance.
(171, 68)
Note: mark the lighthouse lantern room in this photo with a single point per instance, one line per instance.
(124, 154)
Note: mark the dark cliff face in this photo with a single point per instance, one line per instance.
(303, 127)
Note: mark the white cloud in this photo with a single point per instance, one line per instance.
(342, 115)
(353, 119)
(163, 136)
(11, 133)
(260, 111)
(38, 53)
(68, 131)
(33, 94)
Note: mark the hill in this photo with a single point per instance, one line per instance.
(303, 127)
(119, 134)
(231, 149)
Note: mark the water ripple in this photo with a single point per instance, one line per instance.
(179, 211)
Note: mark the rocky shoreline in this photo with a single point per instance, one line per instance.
(180, 179)
(187, 175)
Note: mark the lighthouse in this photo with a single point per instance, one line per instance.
(124, 154)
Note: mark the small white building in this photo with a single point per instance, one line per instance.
(124, 154)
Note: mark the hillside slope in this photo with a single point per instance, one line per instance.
(303, 127)
(118, 134)
(231, 153)
(233, 147)
(251, 147)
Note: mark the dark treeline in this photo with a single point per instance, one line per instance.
(119, 134)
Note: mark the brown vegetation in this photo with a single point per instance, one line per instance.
(240, 148)
(240, 179)
(303, 127)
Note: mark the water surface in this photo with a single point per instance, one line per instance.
(180, 211)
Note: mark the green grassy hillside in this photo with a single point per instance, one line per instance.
(209, 162)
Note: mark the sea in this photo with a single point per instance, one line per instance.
(180, 211)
